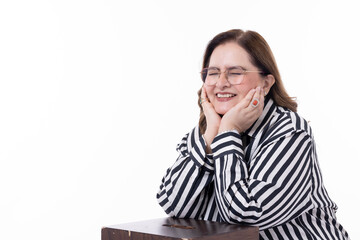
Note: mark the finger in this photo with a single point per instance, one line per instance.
(203, 93)
(262, 98)
(257, 98)
(204, 100)
(249, 96)
(209, 110)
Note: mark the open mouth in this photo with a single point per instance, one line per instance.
(225, 95)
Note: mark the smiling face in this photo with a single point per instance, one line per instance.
(223, 95)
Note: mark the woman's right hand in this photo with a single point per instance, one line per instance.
(213, 119)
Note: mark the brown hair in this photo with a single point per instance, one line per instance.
(261, 56)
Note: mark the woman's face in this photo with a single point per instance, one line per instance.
(223, 95)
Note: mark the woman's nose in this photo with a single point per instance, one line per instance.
(223, 80)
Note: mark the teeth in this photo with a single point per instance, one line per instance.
(225, 95)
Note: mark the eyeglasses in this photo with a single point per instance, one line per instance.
(234, 75)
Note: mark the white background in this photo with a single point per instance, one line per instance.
(95, 95)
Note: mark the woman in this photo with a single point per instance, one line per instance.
(252, 158)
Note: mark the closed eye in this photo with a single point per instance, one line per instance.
(235, 73)
(214, 74)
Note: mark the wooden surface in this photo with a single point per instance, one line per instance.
(175, 228)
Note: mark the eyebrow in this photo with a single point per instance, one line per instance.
(231, 67)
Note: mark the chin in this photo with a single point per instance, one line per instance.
(222, 111)
(223, 107)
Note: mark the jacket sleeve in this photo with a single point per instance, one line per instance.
(183, 191)
(269, 189)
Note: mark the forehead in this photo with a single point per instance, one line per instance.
(229, 54)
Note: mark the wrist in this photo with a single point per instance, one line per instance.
(228, 128)
(209, 136)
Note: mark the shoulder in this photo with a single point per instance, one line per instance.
(289, 122)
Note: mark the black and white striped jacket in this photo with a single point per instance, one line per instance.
(274, 182)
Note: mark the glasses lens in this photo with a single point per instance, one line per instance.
(212, 75)
(235, 75)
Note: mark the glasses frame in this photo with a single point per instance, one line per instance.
(204, 72)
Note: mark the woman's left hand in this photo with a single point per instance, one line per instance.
(245, 113)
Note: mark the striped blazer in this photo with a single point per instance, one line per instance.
(267, 176)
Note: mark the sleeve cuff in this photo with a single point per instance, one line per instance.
(225, 143)
(199, 156)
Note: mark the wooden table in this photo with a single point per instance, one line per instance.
(175, 228)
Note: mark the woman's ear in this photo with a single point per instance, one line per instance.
(269, 80)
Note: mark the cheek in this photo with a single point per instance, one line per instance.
(252, 82)
(209, 92)
(247, 85)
